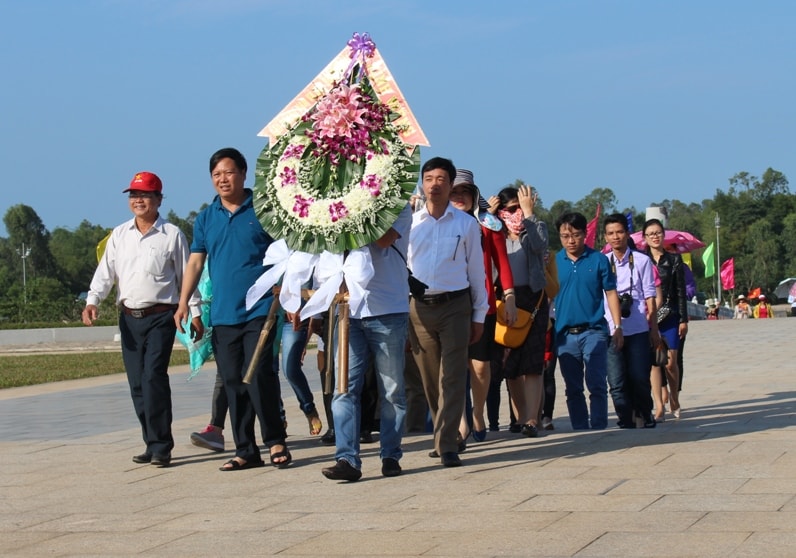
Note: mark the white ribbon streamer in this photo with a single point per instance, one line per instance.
(276, 255)
(357, 270)
(299, 271)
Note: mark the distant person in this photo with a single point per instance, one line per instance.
(742, 309)
(230, 235)
(629, 367)
(146, 259)
(672, 317)
(582, 332)
(526, 243)
(763, 308)
(445, 254)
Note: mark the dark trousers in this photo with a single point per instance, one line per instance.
(146, 350)
(233, 346)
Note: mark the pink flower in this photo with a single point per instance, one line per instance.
(373, 183)
(337, 210)
(293, 151)
(338, 112)
(288, 176)
(302, 205)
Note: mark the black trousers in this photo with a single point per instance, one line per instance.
(146, 350)
(234, 346)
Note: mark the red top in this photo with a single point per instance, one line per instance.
(494, 245)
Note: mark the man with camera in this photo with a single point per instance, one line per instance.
(629, 365)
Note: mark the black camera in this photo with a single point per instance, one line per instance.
(625, 304)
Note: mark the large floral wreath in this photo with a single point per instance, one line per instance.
(340, 176)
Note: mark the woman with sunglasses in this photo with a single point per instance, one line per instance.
(526, 245)
(673, 323)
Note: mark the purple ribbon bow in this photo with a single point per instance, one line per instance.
(362, 46)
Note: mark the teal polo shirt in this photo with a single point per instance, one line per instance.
(235, 244)
(580, 298)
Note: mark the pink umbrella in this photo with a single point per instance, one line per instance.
(680, 241)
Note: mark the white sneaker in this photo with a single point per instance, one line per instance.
(547, 424)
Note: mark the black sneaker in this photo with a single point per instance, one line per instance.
(328, 439)
(390, 467)
(342, 470)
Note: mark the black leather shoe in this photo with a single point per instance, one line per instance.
(342, 470)
(650, 422)
(390, 467)
(451, 459)
(433, 454)
(328, 439)
(365, 438)
(530, 430)
(161, 460)
(143, 458)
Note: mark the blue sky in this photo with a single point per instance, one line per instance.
(653, 99)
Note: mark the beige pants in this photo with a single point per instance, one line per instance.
(439, 334)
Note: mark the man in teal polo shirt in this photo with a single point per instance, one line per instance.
(581, 329)
(229, 233)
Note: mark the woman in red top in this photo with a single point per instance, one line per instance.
(464, 195)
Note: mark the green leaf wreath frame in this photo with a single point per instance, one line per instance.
(316, 200)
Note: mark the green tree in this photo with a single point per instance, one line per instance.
(25, 229)
(75, 253)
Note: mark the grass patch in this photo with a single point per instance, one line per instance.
(28, 370)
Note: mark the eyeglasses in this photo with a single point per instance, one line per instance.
(142, 195)
(654, 234)
(573, 236)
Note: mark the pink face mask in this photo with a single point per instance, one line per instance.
(512, 219)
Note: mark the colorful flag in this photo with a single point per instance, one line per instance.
(591, 229)
(709, 261)
(687, 258)
(629, 217)
(728, 275)
(754, 293)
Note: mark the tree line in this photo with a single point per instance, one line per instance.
(43, 273)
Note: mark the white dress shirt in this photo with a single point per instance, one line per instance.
(147, 268)
(446, 255)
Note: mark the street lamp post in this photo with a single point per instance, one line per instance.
(24, 253)
(717, 222)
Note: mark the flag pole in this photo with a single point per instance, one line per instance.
(717, 222)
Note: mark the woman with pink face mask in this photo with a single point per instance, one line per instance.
(526, 245)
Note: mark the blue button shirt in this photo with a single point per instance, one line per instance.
(235, 244)
(583, 281)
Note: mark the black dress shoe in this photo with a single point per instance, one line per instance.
(433, 454)
(650, 422)
(451, 459)
(530, 430)
(515, 428)
(143, 458)
(342, 470)
(328, 439)
(390, 467)
(365, 438)
(160, 460)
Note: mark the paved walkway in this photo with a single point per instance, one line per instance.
(719, 482)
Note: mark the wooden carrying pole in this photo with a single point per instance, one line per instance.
(342, 347)
(267, 327)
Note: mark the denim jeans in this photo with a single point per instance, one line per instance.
(382, 340)
(629, 378)
(293, 343)
(584, 356)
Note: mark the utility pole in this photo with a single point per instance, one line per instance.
(717, 222)
(23, 253)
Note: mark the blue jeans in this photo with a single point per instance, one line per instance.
(293, 343)
(382, 340)
(584, 356)
(629, 378)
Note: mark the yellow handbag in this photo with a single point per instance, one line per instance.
(514, 336)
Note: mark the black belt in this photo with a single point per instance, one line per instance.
(144, 312)
(442, 297)
(578, 328)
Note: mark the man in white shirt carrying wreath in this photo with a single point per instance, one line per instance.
(445, 253)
